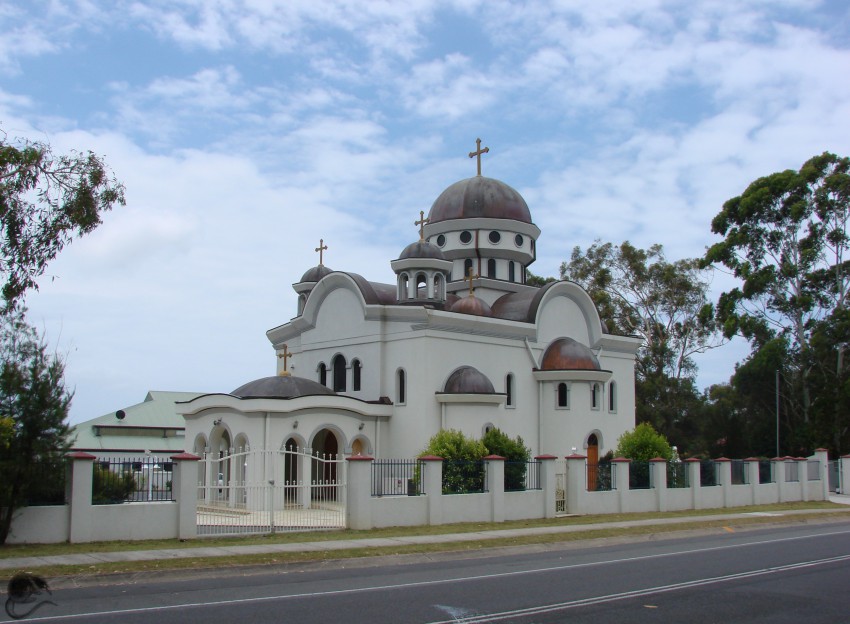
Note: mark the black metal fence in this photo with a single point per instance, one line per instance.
(398, 477)
(521, 476)
(120, 480)
(708, 473)
(766, 471)
(740, 472)
(678, 475)
(464, 477)
(640, 475)
(601, 477)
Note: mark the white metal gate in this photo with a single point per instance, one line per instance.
(247, 491)
(560, 487)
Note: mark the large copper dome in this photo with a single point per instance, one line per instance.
(479, 197)
(421, 249)
(568, 354)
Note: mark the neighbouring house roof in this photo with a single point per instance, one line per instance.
(152, 425)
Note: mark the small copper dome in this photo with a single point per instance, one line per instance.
(468, 380)
(471, 305)
(568, 354)
(479, 197)
(280, 387)
(422, 249)
(316, 273)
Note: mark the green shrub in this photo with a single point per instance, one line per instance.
(642, 444)
(111, 487)
(463, 470)
(516, 456)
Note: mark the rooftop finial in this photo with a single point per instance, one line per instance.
(469, 277)
(322, 247)
(284, 356)
(477, 153)
(421, 223)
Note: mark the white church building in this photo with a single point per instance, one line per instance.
(458, 341)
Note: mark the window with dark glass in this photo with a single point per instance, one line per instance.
(511, 272)
(563, 395)
(401, 390)
(494, 237)
(441, 240)
(519, 240)
(355, 375)
(323, 374)
(339, 373)
(509, 390)
(491, 268)
(465, 237)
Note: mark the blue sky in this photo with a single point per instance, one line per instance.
(246, 131)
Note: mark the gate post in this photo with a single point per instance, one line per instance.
(82, 474)
(658, 466)
(548, 483)
(695, 481)
(433, 488)
(496, 486)
(844, 474)
(822, 457)
(359, 492)
(724, 478)
(185, 489)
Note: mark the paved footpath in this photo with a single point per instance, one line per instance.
(23, 563)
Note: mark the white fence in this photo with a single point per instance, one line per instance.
(202, 505)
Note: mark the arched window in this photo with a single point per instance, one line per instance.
(467, 267)
(439, 287)
(401, 389)
(421, 286)
(511, 271)
(563, 395)
(323, 374)
(594, 396)
(509, 390)
(338, 364)
(612, 397)
(355, 375)
(402, 287)
(491, 268)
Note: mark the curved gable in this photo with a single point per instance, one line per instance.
(565, 308)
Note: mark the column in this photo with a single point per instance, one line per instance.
(433, 467)
(82, 469)
(495, 465)
(358, 506)
(548, 483)
(185, 489)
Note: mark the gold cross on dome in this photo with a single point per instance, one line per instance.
(477, 153)
(469, 277)
(322, 247)
(284, 356)
(421, 223)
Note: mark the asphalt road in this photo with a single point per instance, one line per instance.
(790, 574)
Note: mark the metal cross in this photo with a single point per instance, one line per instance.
(421, 223)
(478, 152)
(284, 356)
(322, 247)
(469, 277)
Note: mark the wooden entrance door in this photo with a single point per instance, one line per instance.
(592, 462)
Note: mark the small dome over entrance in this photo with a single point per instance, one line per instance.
(280, 387)
(568, 354)
(468, 380)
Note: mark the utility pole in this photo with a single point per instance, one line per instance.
(777, 412)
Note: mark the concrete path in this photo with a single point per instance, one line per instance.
(24, 563)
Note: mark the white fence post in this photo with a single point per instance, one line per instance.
(724, 477)
(844, 474)
(658, 466)
(548, 483)
(185, 490)
(433, 484)
(358, 505)
(821, 455)
(82, 469)
(620, 466)
(576, 482)
(495, 465)
(695, 482)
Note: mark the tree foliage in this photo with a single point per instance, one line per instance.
(45, 201)
(642, 444)
(33, 407)
(516, 455)
(785, 239)
(639, 292)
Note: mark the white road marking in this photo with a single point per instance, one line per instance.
(339, 592)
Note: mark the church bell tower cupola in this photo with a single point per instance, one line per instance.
(484, 226)
(421, 271)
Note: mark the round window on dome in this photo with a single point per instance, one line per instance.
(519, 240)
(495, 237)
(465, 237)
(441, 240)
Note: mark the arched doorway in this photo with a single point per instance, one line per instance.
(324, 465)
(592, 462)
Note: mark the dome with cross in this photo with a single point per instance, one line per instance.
(479, 197)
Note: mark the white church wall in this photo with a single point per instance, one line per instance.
(559, 317)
